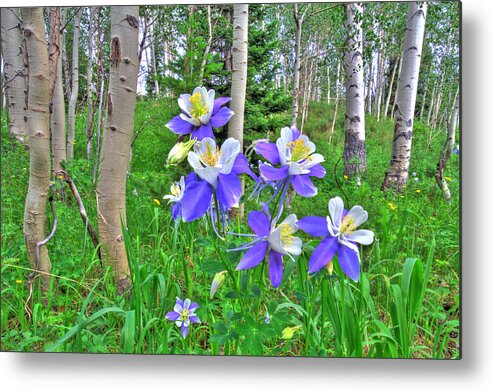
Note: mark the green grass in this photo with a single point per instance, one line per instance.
(405, 304)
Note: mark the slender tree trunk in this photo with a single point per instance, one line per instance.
(338, 97)
(427, 87)
(354, 124)
(432, 104)
(208, 45)
(15, 73)
(328, 85)
(66, 65)
(58, 139)
(369, 85)
(117, 138)
(407, 87)
(447, 149)
(239, 75)
(90, 108)
(39, 140)
(297, 64)
(75, 88)
(98, 133)
(154, 63)
(391, 85)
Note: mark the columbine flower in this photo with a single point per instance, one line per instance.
(183, 314)
(179, 152)
(294, 153)
(276, 241)
(200, 113)
(217, 282)
(267, 318)
(340, 236)
(456, 150)
(219, 168)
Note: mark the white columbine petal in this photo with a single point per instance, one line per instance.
(358, 214)
(336, 208)
(194, 161)
(229, 150)
(184, 103)
(209, 174)
(178, 308)
(363, 236)
(275, 241)
(186, 304)
(314, 159)
(190, 120)
(295, 247)
(291, 221)
(282, 144)
(179, 322)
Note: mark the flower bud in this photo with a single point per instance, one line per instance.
(179, 152)
(217, 282)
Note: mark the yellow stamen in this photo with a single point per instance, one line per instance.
(199, 108)
(299, 150)
(347, 225)
(286, 235)
(184, 315)
(175, 190)
(210, 157)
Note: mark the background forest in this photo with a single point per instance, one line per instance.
(105, 282)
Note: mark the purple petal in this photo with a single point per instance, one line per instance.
(314, 225)
(241, 166)
(202, 132)
(184, 331)
(318, 171)
(349, 262)
(253, 256)
(192, 177)
(172, 315)
(218, 102)
(269, 151)
(272, 173)
(303, 185)
(323, 254)
(175, 210)
(228, 191)
(295, 132)
(196, 200)
(179, 126)
(275, 268)
(259, 223)
(194, 319)
(193, 306)
(222, 117)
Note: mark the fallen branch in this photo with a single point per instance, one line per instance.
(83, 213)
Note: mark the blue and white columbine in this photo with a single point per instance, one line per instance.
(200, 113)
(340, 236)
(294, 153)
(183, 314)
(272, 240)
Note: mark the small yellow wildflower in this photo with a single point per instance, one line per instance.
(288, 332)
(418, 191)
(346, 177)
(157, 202)
(18, 281)
(392, 206)
(447, 178)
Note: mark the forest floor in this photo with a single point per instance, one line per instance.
(405, 305)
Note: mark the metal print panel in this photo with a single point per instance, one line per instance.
(232, 179)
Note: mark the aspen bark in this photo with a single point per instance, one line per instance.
(75, 88)
(117, 137)
(15, 73)
(298, 18)
(208, 45)
(354, 124)
(338, 97)
(447, 149)
(39, 140)
(407, 87)
(239, 74)
(58, 139)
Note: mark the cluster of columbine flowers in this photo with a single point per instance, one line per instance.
(214, 187)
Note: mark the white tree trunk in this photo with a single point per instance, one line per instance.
(407, 87)
(391, 85)
(354, 124)
(75, 88)
(298, 18)
(447, 149)
(239, 75)
(117, 138)
(39, 140)
(90, 110)
(338, 97)
(14, 72)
